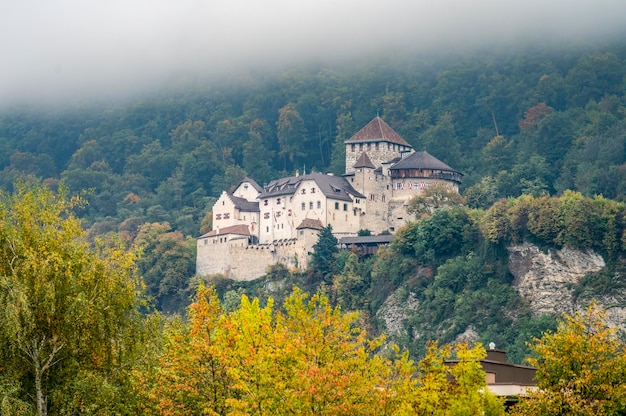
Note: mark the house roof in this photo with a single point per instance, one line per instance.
(334, 187)
(239, 229)
(421, 160)
(377, 131)
(252, 182)
(364, 162)
(310, 223)
(367, 239)
(243, 204)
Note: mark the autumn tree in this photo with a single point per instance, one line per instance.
(581, 368)
(69, 325)
(446, 386)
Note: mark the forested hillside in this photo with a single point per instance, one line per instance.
(532, 120)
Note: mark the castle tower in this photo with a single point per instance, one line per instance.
(379, 141)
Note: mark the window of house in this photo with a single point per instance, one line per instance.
(311, 205)
(277, 201)
(352, 147)
(336, 205)
(319, 204)
(303, 191)
(312, 190)
(398, 186)
(265, 202)
(369, 146)
(376, 146)
(345, 207)
(303, 206)
(226, 216)
(218, 216)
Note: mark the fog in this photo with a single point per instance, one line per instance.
(57, 50)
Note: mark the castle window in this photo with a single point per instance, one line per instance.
(336, 205)
(383, 197)
(303, 206)
(311, 205)
(267, 229)
(205, 242)
(345, 207)
(218, 216)
(398, 186)
(265, 202)
(303, 191)
(277, 201)
(226, 216)
(319, 204)
(312, 190)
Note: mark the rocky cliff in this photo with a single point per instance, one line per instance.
(547, 280)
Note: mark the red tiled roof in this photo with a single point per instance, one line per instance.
(310, 223)
(239, 229)
(377, 131)
(364, 162)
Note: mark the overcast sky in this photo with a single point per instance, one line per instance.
(58, 49)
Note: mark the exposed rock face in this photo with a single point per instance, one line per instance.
(395, 311)
(546, 280)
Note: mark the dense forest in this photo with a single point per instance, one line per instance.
(524, 124)
(77, 335)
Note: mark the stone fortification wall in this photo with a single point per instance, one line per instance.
(241, 261)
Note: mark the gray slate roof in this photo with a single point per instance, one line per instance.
(255, 185)
(422, 160)
(334, 187)
(243, 204)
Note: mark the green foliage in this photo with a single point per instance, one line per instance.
(70, 329)
(167, 265)
(323, 262)
(580, 369)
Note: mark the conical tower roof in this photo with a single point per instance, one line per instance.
(364, 162)
(422, 160)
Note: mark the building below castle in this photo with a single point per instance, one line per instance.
(255, 227)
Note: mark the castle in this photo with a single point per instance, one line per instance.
(255, 227)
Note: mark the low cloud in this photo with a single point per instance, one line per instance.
(62, 49)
